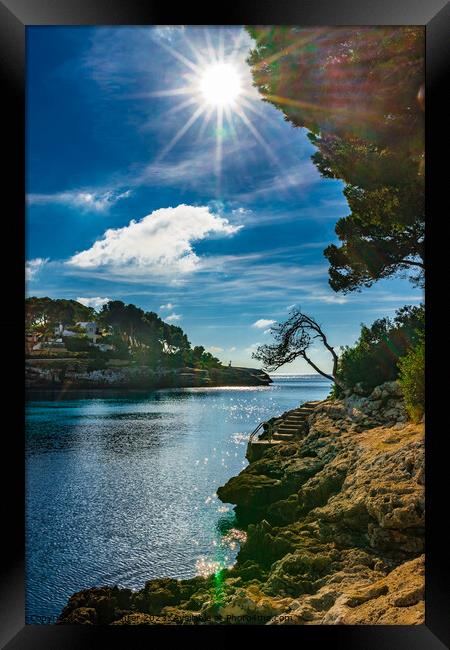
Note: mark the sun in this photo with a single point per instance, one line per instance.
(217, 89)
(220, 84)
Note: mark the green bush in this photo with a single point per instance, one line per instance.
(412, 380)
(96, 364)
(77, 343)
(375, 356)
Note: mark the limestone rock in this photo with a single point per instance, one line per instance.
(335, 533)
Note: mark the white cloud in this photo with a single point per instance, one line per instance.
(252, 348)
(32, 267)
(242, 212)
(327, 298)
(97, 302)
(214, 349)
(86, 200)
(232, 349)
(263, 322)
(160, 243)
(168, 306)
(173, 317)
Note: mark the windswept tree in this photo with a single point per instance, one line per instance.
(293, 340)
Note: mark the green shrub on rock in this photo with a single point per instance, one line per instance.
(412, 380)
(374, 358)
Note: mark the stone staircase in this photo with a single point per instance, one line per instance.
(291, 425)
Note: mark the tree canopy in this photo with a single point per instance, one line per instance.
(41, 313)
(136, 335)
(359, 92)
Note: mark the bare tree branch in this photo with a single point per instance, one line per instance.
(292, 340)
(419, 264)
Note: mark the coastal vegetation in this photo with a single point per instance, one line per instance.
(381, 349)
(121, 331)
(360, 94)
(412, 379)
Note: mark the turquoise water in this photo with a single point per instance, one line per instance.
(122, 489)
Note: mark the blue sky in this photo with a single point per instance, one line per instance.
(217, 224)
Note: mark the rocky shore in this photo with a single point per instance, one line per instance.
(57, 374)
(334, 528)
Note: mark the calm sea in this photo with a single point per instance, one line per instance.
(122, 489)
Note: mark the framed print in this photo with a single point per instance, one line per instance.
(229, 418)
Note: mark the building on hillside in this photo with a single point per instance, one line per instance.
(91, 330)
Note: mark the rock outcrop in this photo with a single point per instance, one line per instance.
(335, 533)
(56, 374)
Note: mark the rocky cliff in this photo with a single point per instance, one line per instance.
(56, 374)
(334, 532)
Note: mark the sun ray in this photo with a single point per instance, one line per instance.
(194, 117)
(221, 48)
(202, 60)
(179, 107)
(237, 44)
(173, 92)
(219, 145)
(300, 42)
(183, 59)
(212, 54)
(229, 118)
(259, 113)
(256, 134)
(316, 107)
(217, 85)
(205, 122)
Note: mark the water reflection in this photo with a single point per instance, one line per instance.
(121, 489)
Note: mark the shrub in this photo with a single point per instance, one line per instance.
(412, 380)
(96, 364)
(77, 343)
(374, 358)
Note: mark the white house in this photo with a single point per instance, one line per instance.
(91, 329)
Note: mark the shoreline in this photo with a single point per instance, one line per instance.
(80, 375)
(334, 533)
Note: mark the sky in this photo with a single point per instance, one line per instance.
(156, 175)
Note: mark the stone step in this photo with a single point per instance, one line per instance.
(287, 430)
(282, 436)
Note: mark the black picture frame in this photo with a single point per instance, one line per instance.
(15, 16)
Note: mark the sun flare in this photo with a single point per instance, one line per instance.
(217, 91)
(220, 84)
